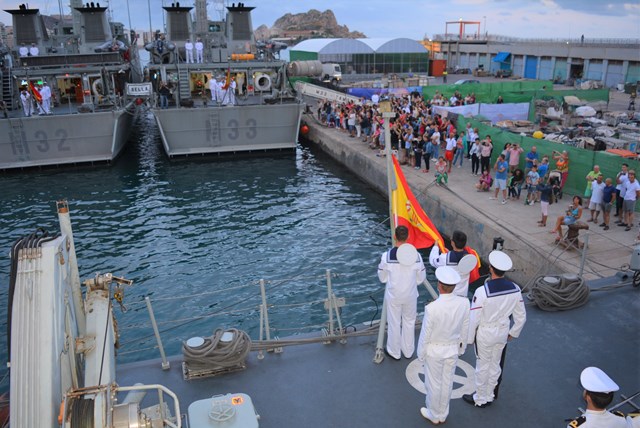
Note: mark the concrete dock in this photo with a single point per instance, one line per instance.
(460, 207)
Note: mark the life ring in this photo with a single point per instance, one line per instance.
(263, 83)
(97, 88)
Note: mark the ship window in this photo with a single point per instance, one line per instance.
(241, 29)
(93, 29)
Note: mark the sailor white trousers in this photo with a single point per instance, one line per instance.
(438, 381)
(489, 345)
(401, 324)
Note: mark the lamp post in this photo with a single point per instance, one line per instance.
(485, 26)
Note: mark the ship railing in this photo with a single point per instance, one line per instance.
(331, 330)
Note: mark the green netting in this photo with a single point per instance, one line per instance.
(489, 92)
(581, 161)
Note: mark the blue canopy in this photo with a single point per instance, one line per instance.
(502, 57)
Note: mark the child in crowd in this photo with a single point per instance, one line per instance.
(441, 171)
(532, 185)
(485, 182)
(515, 184)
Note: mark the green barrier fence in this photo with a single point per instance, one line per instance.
(489, 92)
(581, 161)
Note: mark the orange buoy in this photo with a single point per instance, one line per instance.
(304, 129)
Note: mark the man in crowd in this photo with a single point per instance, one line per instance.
(501, 167)
(591, 177)
(199, 51)
(402, 269)
(631, 192)
(188, 48)
(608, 201)
(532, 159)
(595, 203)
(621, 178)
(491, 308)
(443, 338)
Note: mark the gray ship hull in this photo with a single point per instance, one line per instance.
(41, 141)
(230, 129)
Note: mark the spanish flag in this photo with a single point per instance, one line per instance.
(408, 212)
(35, 92)
(227, 80)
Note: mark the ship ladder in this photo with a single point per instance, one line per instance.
(183, 82)
(7, 89)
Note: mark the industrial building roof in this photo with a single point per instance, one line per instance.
(351, 46)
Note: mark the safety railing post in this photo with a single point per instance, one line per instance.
(165, 363)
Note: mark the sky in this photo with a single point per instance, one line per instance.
(415, 19)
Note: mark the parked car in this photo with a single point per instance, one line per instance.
(466, 81)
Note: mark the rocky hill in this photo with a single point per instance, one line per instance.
(301, 26)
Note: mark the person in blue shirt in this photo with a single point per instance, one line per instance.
(532, 159)
(501, 167)
(608, 201)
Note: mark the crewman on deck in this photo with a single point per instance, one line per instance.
(213, 87)
(442, 339)
(402, 269)
(23, 51)
(491, 307)
(45, 92)
(598, 394)
(451, 258)
(25, 99)
(188, 47)
(199, 51)
(33, 50)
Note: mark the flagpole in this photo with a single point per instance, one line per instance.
(387, 114)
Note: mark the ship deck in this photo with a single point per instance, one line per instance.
(338, 385)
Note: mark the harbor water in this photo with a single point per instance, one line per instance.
(197, 235)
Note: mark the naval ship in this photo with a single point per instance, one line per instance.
(251, 109)
(63, 340)
(86, 65)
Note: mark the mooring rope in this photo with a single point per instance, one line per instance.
(568, 293)
(216, 353)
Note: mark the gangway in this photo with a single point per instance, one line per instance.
(319, 92)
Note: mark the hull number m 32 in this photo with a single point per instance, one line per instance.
(41, 142)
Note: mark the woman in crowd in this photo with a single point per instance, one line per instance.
(562, 165)
(475, 157)
(515, 184)
(485, 182)
(485, 153)
(571, 216)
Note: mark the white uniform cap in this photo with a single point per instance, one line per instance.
(500, 261)
(448, 275)
(595, 380)
(407, 254)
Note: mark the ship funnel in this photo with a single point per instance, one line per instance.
(178, 22)
(240, 30)
(30, 24)
(94, 26)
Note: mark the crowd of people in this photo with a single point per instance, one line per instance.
(430, 143)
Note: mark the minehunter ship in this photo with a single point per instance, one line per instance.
(252, 108)
(86, 65)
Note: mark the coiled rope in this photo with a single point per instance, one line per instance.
(216, 353)
(559, 293)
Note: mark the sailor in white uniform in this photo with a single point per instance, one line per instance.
(45, 92)
(188, 47)
(491, 307)
(442, 339)
(25, 98)
(402, 269)
(452, 258)
(213, 87)
(199, 50)
(33, 50)
(24, 51)
(598, 393)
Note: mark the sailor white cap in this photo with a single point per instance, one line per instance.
(407, 254)
(595, 380)
(447, 275)
(500, 261)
